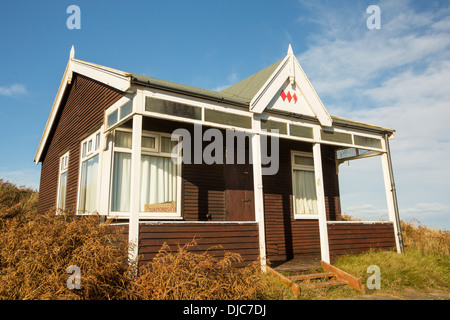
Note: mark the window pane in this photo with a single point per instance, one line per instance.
(84, 149)
(306, 161)
(305, 197)
(158, 184)
(120, 198)
(167, 144)
(123, 139)
(112, 118)
(148, 142)
(88, 189)
(97, 141)
(126, 109)
(62, 191)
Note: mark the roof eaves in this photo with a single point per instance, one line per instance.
(189, 90)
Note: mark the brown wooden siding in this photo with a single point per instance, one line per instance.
(346, 238)
(286, 237)
(82, 110)
(203, 185)
(234, 237)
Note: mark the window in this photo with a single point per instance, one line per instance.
(62, 182)
(120, 194)
(120, 113)
(303, 185)
(89, 175)
(159, 174)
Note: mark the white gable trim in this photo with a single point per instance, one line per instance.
(290, 69)
(114, 78)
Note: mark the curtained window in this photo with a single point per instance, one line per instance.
(303, 185)
(159, 174)
(120, 197)
(62, 184)
(89, 183)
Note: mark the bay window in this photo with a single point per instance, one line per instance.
(303, 185)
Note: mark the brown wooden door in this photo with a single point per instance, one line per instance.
(240, 197)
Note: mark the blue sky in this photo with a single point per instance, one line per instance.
(397, 76)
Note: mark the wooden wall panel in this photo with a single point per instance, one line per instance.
(346, 238)
(82, 112)
(234, 237)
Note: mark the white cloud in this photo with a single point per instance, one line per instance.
(13, 90)
(397, 77)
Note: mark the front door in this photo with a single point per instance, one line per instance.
(239, 195)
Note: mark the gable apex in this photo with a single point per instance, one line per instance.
(288, 89)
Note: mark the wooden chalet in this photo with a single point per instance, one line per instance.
(108, 148)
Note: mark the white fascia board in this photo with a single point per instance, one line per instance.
(67, 78)
(114, 78)
(311, 96)
(262, 98)
(290, 69)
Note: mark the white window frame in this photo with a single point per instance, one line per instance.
(295, 166)
(96, 149)
(151, 152)
(63, 168)
(114, 150)
(157, 152)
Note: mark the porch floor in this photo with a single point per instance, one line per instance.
(298, 264)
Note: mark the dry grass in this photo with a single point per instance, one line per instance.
(36, 250)
(426, 240)
(183, 275)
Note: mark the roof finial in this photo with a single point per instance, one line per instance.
(290, 50)
(72, 52)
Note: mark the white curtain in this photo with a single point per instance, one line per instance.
(62, 191)
(305, 196)
(158, 180)
(89, 177)
(120, 200)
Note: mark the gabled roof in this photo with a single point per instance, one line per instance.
(188, 90)
(248, 87)
(256, 93)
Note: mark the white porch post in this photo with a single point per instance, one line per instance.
(391, 195)
(258, 193)
(133, 232)
(323, 229)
